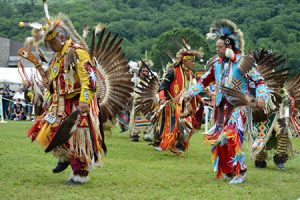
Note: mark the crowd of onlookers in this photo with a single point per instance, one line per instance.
(14, 104)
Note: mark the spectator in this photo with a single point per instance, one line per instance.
(18, 113)
(20, 95)
(29, 106)
(5, 102)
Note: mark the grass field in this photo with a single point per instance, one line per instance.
(135, 171)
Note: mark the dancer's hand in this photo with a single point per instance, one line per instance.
(46, 84)
(260, 102)
(187, 98)
(162, 101)
(83, 107)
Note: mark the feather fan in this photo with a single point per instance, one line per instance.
(113, 76)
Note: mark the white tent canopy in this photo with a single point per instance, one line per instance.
(11, 75)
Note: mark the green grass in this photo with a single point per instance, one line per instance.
(135, 171)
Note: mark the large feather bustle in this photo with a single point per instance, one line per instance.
(272, 67)
(226, 27)
(112, 72)
(146, 99)
(246, 64)
(293, 89)
(145, 92)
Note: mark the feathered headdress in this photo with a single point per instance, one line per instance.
(144, 62)
(186, 51)
(63, 21)
(48, 30)
(37, 33)
(227, 30)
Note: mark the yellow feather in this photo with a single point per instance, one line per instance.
(43, 135)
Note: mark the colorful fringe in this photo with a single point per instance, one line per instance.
(139, 122)
(85, 142)
(226, 150)
(170, 128)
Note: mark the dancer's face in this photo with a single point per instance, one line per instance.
(144, 73)
(189, 63)
(220, 48)
(55, 45)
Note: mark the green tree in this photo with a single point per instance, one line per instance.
(168, 40)
(273, 24)
(292, 38)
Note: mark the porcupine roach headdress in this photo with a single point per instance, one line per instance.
(48, 30)
(229, 32)
(186, 52)
(43, 32)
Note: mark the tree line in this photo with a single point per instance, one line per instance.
(272, 24)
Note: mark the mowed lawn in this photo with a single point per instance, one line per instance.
(135, 171)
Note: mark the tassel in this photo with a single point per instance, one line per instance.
(229, 53)
(43, 135)
(269, 104)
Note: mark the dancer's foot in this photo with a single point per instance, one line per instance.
(61, 166)
(176, 151)
(134, 138)
(72, 182)
(238, 180)
(227, 177)
(78, 179)
(260, 164)
(280, 166)
(180, 147)
(147, 137)
(157, 148)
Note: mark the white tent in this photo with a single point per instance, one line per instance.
(13, 78)
(11, 75)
